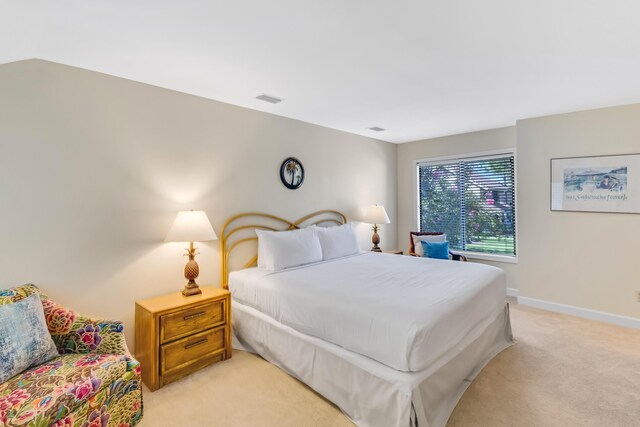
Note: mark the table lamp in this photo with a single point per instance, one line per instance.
(191, 226)
(375, 215)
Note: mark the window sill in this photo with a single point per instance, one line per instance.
(489, 257)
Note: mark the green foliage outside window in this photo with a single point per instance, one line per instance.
(472, 201)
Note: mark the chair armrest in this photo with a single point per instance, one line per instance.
(454, 256)
(458, 257)
(75, 333)
(133, 369)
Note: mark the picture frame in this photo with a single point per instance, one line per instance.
(292, 173)
(605, 184)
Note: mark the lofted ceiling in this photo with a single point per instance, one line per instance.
(419, 69)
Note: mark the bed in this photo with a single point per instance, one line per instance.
(418, 330)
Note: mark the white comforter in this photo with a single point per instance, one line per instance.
(402, 311)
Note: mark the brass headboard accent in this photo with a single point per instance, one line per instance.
(235, 231)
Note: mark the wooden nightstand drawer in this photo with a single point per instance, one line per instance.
(179, 354)
(187, 322)
(176, 374)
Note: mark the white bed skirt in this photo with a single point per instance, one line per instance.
(369, 393)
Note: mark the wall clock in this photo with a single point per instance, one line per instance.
(292, 173)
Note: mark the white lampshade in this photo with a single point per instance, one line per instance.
(376, 214)
(191, 226)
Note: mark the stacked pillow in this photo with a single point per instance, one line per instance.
(337, 241)
(278, 250)
(436, 250)
(432, 238)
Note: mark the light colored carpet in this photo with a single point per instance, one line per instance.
(563, 371)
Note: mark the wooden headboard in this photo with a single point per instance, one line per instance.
(241, 228)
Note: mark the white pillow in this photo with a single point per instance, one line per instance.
(417, 246)
(278, 250)
(262, 255)
(338, 241)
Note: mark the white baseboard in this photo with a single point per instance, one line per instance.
(512, 292)
(616, 319)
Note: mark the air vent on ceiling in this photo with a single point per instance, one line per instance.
(376, 129)
(268, 98)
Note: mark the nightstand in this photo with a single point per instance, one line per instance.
(395, 252)
(177, 335)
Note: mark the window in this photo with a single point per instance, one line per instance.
(472, 200)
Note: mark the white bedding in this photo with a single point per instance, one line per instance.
(404, 312)
(369, 393)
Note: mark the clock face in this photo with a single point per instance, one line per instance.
(292, 173)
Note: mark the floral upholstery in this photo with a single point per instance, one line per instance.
(94, 383)
(72, 332)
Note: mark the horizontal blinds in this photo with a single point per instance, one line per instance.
(440, 207)
(472, 200)
(490, 209)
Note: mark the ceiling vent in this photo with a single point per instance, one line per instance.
(376, 129)
(269, 99)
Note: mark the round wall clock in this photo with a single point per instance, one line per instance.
(292, 173)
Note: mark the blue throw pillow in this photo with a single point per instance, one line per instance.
(24, 337)
(437, 250)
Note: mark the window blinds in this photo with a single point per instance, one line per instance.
(472, 200)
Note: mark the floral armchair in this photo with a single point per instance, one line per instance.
(95, 382)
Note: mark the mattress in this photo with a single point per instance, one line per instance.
(404, 312)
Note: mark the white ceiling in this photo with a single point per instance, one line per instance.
(417, 68)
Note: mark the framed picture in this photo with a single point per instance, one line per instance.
(292, 173)
(596, 184)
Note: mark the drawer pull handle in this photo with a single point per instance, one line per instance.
(194, 315)
(195, 343)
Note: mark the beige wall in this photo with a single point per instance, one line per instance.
(93, 169)
(589, 260)
(475, 142)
